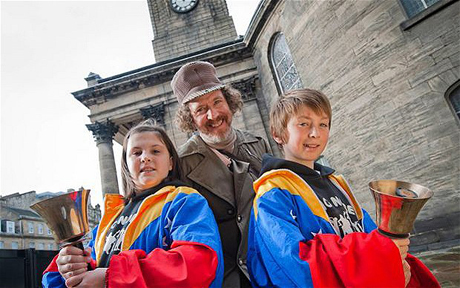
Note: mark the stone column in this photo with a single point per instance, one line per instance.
(103, 133)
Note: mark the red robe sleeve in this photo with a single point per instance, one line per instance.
(360, 260)
(186, 264)
(421, 275)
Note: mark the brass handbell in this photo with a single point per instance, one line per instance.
(67, 216)
(397, 205)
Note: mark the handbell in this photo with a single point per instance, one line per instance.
(397, 205)
(67, 216)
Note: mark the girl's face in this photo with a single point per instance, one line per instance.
(148, 159)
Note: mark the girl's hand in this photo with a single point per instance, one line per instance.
(407, 273)
(94, 278)
(403, 246)
(73, 261)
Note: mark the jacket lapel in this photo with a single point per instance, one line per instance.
(212, 174)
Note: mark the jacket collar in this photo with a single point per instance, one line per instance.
(196, 144)
(223, 183)
(271, 163)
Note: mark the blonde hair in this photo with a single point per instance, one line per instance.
(289, 104)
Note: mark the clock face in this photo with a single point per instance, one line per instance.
(183, 6)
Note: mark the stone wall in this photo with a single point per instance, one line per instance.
(390, 116)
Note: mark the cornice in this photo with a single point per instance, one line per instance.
(258, 21)
(157, 73)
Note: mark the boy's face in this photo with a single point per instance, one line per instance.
(307, 134)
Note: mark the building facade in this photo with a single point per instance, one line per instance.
(391, 80)
(22, 228)
(390, 69)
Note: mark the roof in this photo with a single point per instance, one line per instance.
(22, 212)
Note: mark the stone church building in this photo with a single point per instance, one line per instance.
(390, 68)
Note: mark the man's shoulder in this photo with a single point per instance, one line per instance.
(193, 145)
(247, 137)
(193, 152)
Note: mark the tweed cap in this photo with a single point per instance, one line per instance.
(194, 80)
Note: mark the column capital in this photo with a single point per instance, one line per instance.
(247, 88)
(103, 131)
(156, 112)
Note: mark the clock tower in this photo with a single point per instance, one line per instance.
(182, 27)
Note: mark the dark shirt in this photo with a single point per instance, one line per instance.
(118, 228)
(334, 199)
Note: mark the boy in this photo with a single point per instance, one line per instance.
(307, 229)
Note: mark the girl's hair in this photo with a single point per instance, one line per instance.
(184, 118)
(149, 125)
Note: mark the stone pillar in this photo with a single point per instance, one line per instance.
(103, 134)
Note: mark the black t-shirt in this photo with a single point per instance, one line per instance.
(335, 201)
(342, 214)
(118, 228)
(116, 232)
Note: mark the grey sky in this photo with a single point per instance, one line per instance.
(47, 49)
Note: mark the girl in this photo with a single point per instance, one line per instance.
(160, 234)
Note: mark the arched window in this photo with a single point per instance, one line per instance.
(282, 65)
(414, 7)
(453, 98)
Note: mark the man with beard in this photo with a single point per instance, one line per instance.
(219, 161)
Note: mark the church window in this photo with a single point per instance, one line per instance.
(414, 7)
(453, 98)
(282, 65)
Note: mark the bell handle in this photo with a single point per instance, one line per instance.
(79, 245)
(392, 235)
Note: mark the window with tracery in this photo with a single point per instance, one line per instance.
(282, 65)
(453, 98)
(414, 7)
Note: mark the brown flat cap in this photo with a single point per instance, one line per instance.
(194, 80)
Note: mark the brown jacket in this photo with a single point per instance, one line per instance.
(229, 193)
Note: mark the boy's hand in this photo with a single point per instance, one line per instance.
(407, 274)
(73, 261)
(403, 246)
